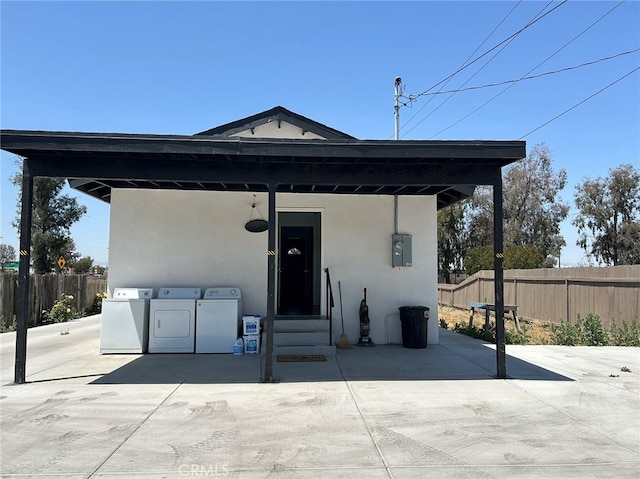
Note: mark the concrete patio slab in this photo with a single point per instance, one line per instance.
(376, 412)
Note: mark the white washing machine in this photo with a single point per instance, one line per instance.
(172, 320)
(125, 321)
(218, 318)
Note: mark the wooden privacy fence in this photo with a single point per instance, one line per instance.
(44, 291)
(556, 294)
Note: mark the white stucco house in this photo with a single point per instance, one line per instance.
(162, 238)
(179, 206)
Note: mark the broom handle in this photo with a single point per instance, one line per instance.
(341, 314)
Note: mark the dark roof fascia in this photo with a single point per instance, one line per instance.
(25, 142)
(276, 113)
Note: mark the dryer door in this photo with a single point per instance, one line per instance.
(173, 324)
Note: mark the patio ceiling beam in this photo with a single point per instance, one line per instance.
(152, 168)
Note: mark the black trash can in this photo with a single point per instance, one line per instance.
(414, 326)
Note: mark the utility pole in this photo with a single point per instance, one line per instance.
(398, 91)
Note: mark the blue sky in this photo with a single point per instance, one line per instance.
(183, 67)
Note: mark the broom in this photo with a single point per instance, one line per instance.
(344, 341)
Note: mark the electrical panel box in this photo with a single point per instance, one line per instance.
(401, 250)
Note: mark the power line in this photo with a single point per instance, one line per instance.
(531, 77)
(411, 99)
(580, 103)
(536, 19)
(532, 69)
(539, 16)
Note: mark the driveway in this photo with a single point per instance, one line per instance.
(381, 412)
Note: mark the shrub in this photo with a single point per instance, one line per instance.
(7, 328)
(590, 332)
(513, 337)
(593, 333)
(625, 335)
(567, 334)
(62, 311)
(474, 331)
(96, 307)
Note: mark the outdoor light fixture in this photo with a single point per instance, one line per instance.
(257, 225)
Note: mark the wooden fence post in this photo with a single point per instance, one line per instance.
(568, 304)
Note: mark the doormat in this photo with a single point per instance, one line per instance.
(300, 358)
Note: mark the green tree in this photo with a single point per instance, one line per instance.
(83, 265)
(609, 216)
(532, 211)
(479, 258)
(630, 240)
(99, 269)
(515, 257)
(451, 239)
(53, 215)
(480, 218)
(7, 255)
(523, 257)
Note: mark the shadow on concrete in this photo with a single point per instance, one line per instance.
(457, 357)
(186, 368)
(81, 376)
(437, 362)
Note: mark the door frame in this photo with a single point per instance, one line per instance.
(308, 217)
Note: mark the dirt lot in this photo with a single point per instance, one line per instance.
(535, 332)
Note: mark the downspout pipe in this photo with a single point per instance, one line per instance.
(395, 214)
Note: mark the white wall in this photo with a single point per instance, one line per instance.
(183, 238)
(275, 129)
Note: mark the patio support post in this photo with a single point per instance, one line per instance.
(23, 274)
(271, 286)
(498, 261)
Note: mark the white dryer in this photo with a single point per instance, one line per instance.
(218, 318)
(125, 321)
(172, 320)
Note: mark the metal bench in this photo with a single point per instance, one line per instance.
(508, 308)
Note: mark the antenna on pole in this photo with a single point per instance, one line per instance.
(398, 91)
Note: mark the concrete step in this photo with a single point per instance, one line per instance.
(300, 335)
(300, 325)
(304, 338)
(289, 317)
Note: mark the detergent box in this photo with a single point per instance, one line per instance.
(251, 343)
(251, 324)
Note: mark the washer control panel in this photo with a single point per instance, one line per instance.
(222, 293)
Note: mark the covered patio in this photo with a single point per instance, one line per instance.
(96, 163)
